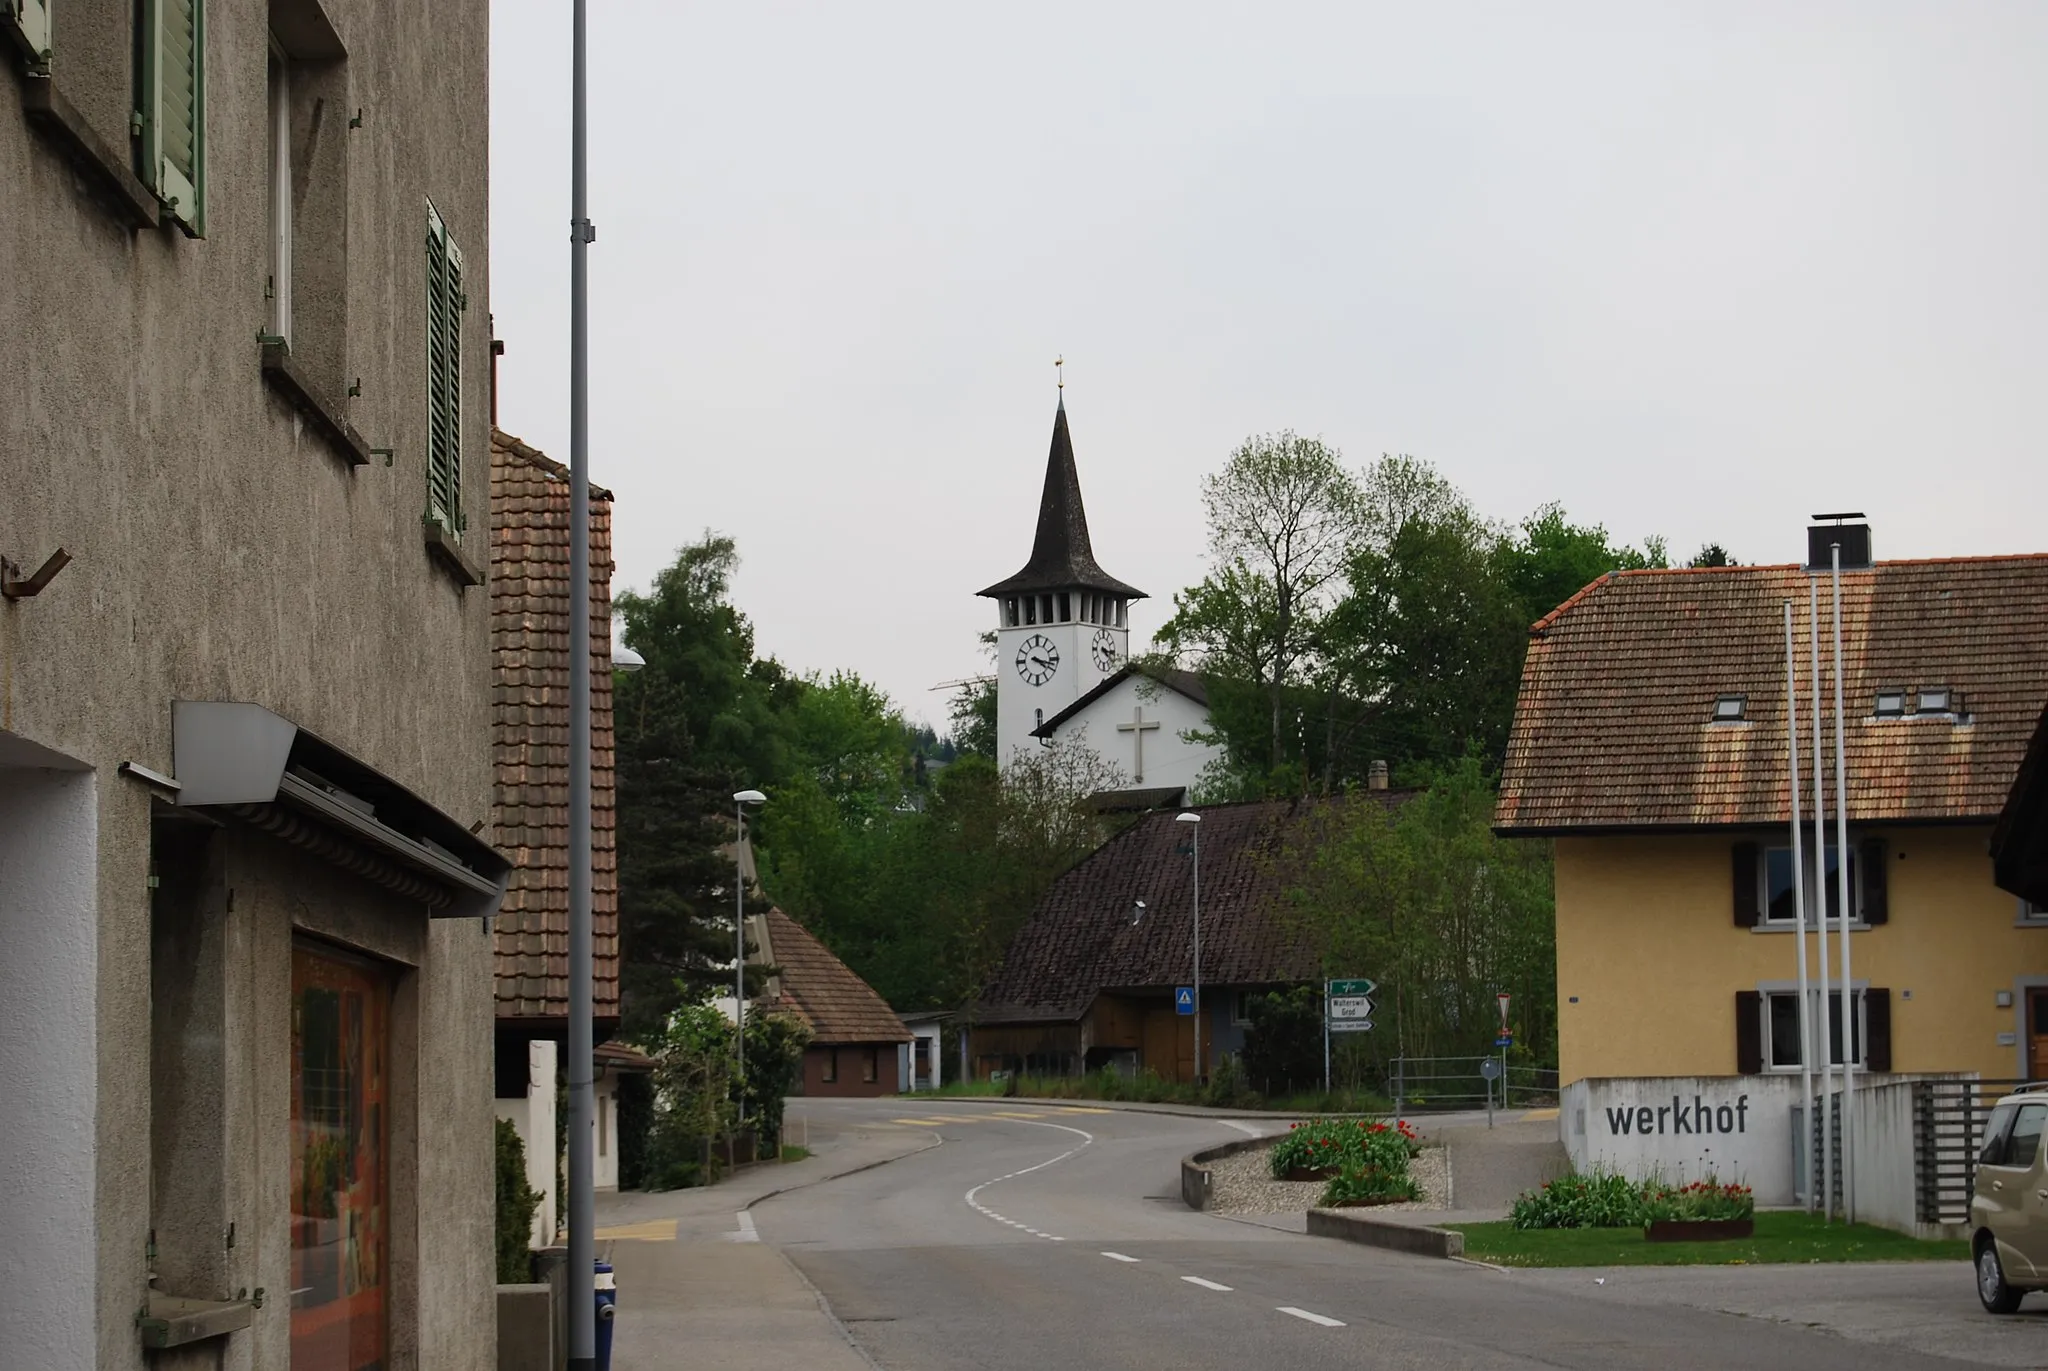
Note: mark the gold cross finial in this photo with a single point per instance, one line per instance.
(1058, 368)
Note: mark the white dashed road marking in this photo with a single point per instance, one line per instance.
(1208, 1285)
(1119, 1257)
(1324, 1319)
(982, 1209)
(1242, 1127)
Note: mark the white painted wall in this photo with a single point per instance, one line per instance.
(1170, 759)
(534, 1116)
(604, 1155)
(1018, 701)
(48, 1052)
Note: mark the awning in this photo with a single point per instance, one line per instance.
(248, 763)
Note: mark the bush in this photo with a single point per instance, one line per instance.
(1345, 1143)
(1370, 1185)
(516, 1202)
(1606, 1199)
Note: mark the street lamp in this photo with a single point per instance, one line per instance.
(741, 800)
(1195, 836)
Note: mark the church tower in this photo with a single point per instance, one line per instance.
(1062, 622)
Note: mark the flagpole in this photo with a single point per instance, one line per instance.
(1825, 1169)
(1849, 1016)
(1798, 913)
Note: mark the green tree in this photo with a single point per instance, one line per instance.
(1283, 517)
(1551, 559)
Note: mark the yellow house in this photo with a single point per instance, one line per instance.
(1651, 744)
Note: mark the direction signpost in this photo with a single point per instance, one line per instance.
(1347, 1008)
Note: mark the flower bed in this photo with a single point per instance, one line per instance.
(1604, 1199)
(1365, 1161)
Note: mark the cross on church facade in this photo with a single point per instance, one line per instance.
(1138, 727)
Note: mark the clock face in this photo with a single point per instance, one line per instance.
(1105, 650)
(1037, 660)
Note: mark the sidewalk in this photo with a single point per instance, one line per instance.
(697, 1289)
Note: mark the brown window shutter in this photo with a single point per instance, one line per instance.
(1877, 1030)
(1746, 897)
(1876, 901)
(1749, 1031)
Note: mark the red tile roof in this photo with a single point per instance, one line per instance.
(1080, 939)
(821, 990)
(530, 713)
(1613, 725)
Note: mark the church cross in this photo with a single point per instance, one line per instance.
(1138, 727)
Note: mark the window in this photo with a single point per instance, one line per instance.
(32, 19)
(1777, 890)
(280, 194)
(2023, 1144)
(870, 1064)
(828, 1066)
(1010, 612)
(2031, 913)
(1066, 607)
(172, 51)
(1890, 704)
(1932, 702)
(1728, 709)
(445, 302)
(1997, 1133)
(1781, 1027)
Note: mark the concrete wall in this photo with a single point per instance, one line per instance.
(1649, 957)
(47, 1078)
(223, 551)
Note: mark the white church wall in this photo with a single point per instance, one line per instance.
(1027, 694)
(1151, 756)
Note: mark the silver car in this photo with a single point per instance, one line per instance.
(2009, 1203)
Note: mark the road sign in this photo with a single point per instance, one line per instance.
(1504, 1040)
(1361, 987)
(1184, 1000)
(1351, 1025)
(1489, 1067)
(1350, 1007)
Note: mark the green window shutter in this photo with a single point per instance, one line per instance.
(174, 107)
(444, 375)
(32, 19)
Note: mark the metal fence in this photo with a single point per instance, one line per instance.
(1445, 1083)
(1948, 1133)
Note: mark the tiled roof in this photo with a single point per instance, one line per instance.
(1061, 555)
(1613, 725)
(530, 719)
(1080, 939)
(618, 1056)
(839, 1006)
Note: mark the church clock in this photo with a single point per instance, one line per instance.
(1105, 651)
(1037, 660)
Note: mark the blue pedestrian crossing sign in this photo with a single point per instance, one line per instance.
(1184, 999)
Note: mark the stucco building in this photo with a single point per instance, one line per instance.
(245, 1011)
(856, 1039)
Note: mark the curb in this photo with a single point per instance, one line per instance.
(1352, 1226)
(836, 1175)
(1195, 1178)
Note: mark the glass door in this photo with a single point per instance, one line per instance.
(341, 1012)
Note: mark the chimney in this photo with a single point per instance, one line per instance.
(1376, 776)
(1854, 538)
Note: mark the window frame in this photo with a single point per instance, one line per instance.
(828, 1069)
(1814, 900)
(30, 19)
(278, 91)
(1859, 1030)
(871, 1066)
(2027, 914)
(183, 194)
(444, 381)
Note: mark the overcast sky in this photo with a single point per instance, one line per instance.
(1696, 271)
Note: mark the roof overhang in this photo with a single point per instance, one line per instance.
(1765, 826)
(246, 762)
(2019, 845)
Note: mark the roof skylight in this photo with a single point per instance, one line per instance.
(1730, 709)
(1890, 704)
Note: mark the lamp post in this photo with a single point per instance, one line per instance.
(740, 801)
(1195, 836)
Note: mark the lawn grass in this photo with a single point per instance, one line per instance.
(1780, 1237)
(792, 1153)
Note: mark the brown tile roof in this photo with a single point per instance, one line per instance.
(1612, 728)
(820, 989)
(530, 713)
(618, 1056)
(1080, 939)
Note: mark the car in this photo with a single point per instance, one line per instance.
(2009, 1201)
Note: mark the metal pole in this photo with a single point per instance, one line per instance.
(1326, 1040)
(1825, 1170)
(1799, 914)
(1849, 1015)
(739, 953)
(582, 1253)
(1198, 954)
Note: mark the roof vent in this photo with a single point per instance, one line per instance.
(1854, 538)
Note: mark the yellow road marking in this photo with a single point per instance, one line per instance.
(1540, 1115)
(656, 1230)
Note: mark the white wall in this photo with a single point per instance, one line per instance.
(534, 1117)
(1170, 758)
(1018, 700)
(604, 1154)
(48, 1051)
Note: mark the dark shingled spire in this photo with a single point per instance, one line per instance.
(1061, 558)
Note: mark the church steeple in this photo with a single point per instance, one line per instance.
(1061, 556)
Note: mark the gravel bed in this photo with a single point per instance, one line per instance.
(1244, 1184)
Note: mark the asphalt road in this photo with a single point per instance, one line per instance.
(1037, 1239)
